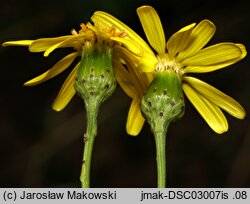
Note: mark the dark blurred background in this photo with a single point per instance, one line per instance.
(43, 148)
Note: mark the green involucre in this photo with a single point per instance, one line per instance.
(162, 104)
(95, 82)
(95, 79)
(163, 101)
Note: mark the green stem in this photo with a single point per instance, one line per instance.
(95, 82)
(160, 140)
(89, 138)
(162, 104)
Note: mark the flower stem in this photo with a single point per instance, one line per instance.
(160, 140)
(162, 103)
(95, 82)
(92, 111)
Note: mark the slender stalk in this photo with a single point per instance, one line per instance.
(95, 82)
(160, 140)
(89, 138)
(162, 104)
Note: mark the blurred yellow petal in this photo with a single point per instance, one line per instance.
(132, 62)
(209, 111)
(149, 76)
(124, 79)
(147, 63)
(139, 79)
(145, 68)
(217, 97)
(55, 70)
(199, 37)
(243, 49)
(107, 20)
(42, 44)
(131, 46)
(179, 40)
(217, 54)
(18, 43)
(67, 91)
(69, 42)
(135, 119)
(152, 27)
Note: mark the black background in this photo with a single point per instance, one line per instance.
(42, 148)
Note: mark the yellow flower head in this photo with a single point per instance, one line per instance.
(182, 54)
(95, 35)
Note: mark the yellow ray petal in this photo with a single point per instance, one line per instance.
(149, 76)
(69, 42)
(120, 52)
(135, 119)
(179, 40)
(243, 50)
(217, 97)
(215, 55)
(18, 43)
(147, 63)
(129, 45)
(199, 37)
(204, 69)
(209, 111)
(67, 91)
(139, 79)
(107, 20)
(124, 79)
(42, 44)
(152, 27)
(55, 70)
